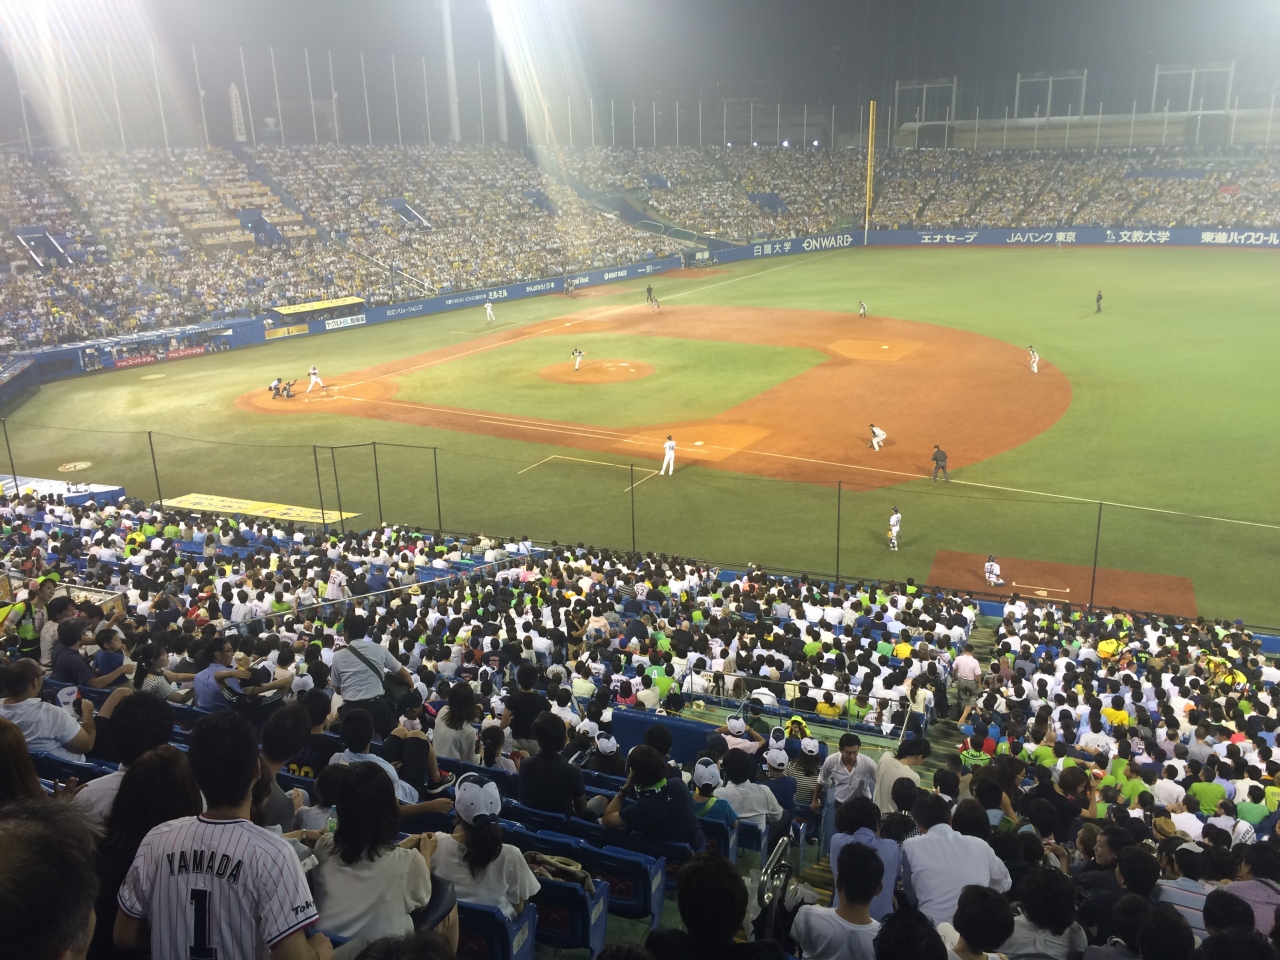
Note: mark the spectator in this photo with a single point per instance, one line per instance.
(983, 923)
(713, 906)
(481, 867)
(157, 788)
(940, 863)
(47, 878)
(846, 774)
(1126, 921)
(753, 802)
(847, 931)
(284, 736)
(48, 729)
(368, 885)
(1226, 915)
(858, 821)
(890, 769)
(662, 808)
(1184, 887)
(255, 900)
(68, 664)
(152, 676)
(137, 725)
(1046, 922)
(907, 934)
(357, 735)
(1166, 935)
(455, 734)
(422, 945)
(1258, 883)
(359, 673)
(547, 780)
(520, 709)
(18, 780)
(1136, 872)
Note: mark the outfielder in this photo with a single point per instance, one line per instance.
(577, 358)
(895, 522)
(862, 309)
(314, 374)
(488, 313)
(878, 437)
(991, 571)
(1034, 358)
(668, 457)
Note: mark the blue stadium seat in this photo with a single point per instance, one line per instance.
(569, 918)
(485, 934)
(49, 767)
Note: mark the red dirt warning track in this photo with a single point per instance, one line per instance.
(1068, 583)
(923, 384)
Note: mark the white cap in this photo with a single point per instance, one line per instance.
(776, 758)
(589, 727)
(737, 726)
(606, 744)
(476, 799)
(302, 683)
(778, 735)
(706, 773)
(810, 746)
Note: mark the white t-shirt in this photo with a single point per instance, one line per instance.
(824, 935)
(45, 727)
(100, 794)
(502, 884)
(371, 898)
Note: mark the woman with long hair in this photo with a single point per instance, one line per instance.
(455, 737)
(152, 676)
(366, 883)
(18, 780)
(157, 787)
(481, 867)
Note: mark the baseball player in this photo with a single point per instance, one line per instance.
(895, 523)
(488, 313)
(215, 886)
(862, 309)
(1034, 359)
(287, 390)
(878, 437)
(668, 457)
(276, 388)
(991, 571)
(314, 374)
(654, 305)
(1098, 302)
(577, 358)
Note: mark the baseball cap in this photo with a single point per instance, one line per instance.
(589, 727)
(606, 744)
(706, 773)
(777, 735)
(737, 726)
(777, 759)
(476, 800)
(810, 746)
(302, 683)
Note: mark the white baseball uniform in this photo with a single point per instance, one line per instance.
(878, 437)
(668, 458)
(895, 522)
(991, 570)
(862, 309)
(1035, 361)
(216, 889)
(314, 374)
(488, 312)
(577, 359)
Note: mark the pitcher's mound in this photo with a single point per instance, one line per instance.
(597, 371)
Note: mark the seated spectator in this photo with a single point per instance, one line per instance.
(1166, 935)
(357, 734)
(1258, 883)
(137, 725)
(422, 945)
(68, 662)
(18, 780)
(907, 934)
(1226, 915)
(846, 931)
(48, 878)
(262, 884)
(547, 780)
(1046, 922)
(1126, 921)
(455, 733)
(662, 808)
(482, 868)
(366, 883)
(283, 736)
(48, 728)
(706, 779)
(858, 821)
(158, 787)
(152, 676)
(320, 746)
(1184, 887)
(713, 906)
(940, 863)
(753, 802)
(982, 925)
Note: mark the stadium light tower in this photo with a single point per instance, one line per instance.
(1193, 72)
(1072, 76)
(924, 86)
(451, 74)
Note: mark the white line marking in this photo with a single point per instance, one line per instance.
(1027, 586)
(600, 463)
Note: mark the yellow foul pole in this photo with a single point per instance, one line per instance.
(871, 170)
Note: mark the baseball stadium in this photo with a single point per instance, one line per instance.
(714, 504)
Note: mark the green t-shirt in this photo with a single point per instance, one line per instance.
(812, 647)
(663, 683)
(1209, 794)
(1042, 756)
(1132, 788)
(1251, 813)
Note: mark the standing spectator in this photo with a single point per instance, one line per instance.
(891, 769)
(753, 802)
(547, 780)
(138, 724)
(157, 788)
(846, 931)
(967, 673)
(47, 875)
(521, 708)
(845, 775)
(859, 822)
(481, 867)
(360, 670)
(663, 809)
(940, 863)
(256, 897)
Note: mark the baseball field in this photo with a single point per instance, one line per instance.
(1163, 409)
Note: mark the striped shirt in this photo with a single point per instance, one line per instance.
(220, 889)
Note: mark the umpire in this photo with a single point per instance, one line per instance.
(940, 463)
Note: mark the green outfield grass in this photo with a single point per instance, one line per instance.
(1174, 408)
(692, 379)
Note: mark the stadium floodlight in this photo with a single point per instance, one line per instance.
(786, 143)
(815, 143)
(1070, 76)
(1192, 72)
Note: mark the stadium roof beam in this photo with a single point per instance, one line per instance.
(1070, 76)
(1193, 71)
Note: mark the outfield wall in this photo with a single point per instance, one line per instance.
(59, 363)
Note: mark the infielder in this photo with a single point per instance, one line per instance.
(895, 522)
(862, 309)
(668, 457)
(1034, 358)
(314, 374)
(488, 313)
(878, 437)
(577, 358)
(654, 305)
(991, 570)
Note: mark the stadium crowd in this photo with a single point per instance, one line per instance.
(1115, 795)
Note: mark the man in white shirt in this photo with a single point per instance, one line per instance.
(359, 670)
(752, 802)
(845, 931)
(846, 774)
(940, 863)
